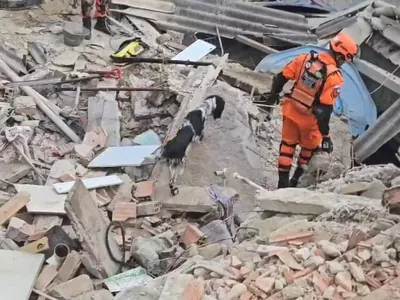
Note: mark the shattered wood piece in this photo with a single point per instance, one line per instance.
(18, 273)
(124, 211)
(44, 200)
(90, 225)
(69, 267)
(8, 210)
(45, 277)
(72, 288)
(148, 208)
(44, 223)
(90, 183)
(38, 246)
(94, 140)
(103, 112)
(18, 230)
(145, 191)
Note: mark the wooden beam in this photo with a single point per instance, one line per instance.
(254, 44)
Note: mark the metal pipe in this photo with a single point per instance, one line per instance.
(138, 60)
(111, 89)
(248, 181)
(383, 130)
(50, 81)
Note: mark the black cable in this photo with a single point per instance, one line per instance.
(113, 258)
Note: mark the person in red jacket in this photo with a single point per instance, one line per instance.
(307, 109)
(101, 16)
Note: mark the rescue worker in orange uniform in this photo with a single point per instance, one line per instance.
(307, 109)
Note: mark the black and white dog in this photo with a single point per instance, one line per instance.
(175, 150)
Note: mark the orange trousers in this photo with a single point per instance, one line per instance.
(294, 133)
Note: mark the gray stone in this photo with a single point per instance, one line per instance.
(236, 291)
(303, 201)
(365, 254)
(175, 286)
(329, 248)
(357, 272)
(379, 255)
(302, 254)
(335, 267)
(375, 190)
(292, 292)
(147, 250)
(392, 253)
(166, 121)
(173, 109)
(328, 293)
(210, 251)
(313, 262)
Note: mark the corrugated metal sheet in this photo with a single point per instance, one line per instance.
(385, 47)
(232, 18)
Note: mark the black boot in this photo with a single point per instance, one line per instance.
(283, 179)
(87, 23)
(102, 25)
(294, 181)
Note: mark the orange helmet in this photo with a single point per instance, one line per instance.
(345, 45)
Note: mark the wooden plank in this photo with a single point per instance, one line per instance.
(254, 44)
(152, 5)
(90, 183)
(90, 225)
(47, 275)
(144, 26)
(18, 272)
(8, 210)
(44, 200)
(37, 246)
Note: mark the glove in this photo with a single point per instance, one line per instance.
(327, 145)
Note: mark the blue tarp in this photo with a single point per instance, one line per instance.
(354, 101)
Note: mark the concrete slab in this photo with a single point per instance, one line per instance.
(175, 286)
(90, 225)
(18, 272)
(303, 201)
(192, 199)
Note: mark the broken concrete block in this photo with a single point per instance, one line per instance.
(72, 288)
(357, 272)
(24, 105)
(303, 201)
(124, 211)
(302, 254)
(18, 230)
(90, 225)
(236, 262)
(313, 262)
(365, 254)
(330, 249)
(265, 284)
(69, 267)
(192, 199)
(45, 277)
(292, 292)
(375, 190)
(343, 279)
(210, 251)
(236, 291)
(175, 286)
(379, 255)
(391, 199)
(95, 295)
(335, 267)
(148, 208)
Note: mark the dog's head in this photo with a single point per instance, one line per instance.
(218, 106)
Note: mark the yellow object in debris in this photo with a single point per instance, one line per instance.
(130, 48)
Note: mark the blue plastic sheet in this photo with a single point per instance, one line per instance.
(354, 101)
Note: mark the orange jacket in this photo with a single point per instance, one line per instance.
(328, 95)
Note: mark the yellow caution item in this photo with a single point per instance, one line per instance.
(130, 48)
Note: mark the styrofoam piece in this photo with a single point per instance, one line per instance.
(90, 183)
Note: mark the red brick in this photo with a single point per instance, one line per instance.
(194, 290)
(144, 191)
(123, 211)
(191, 235)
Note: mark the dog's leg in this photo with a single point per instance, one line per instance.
(183, 166)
